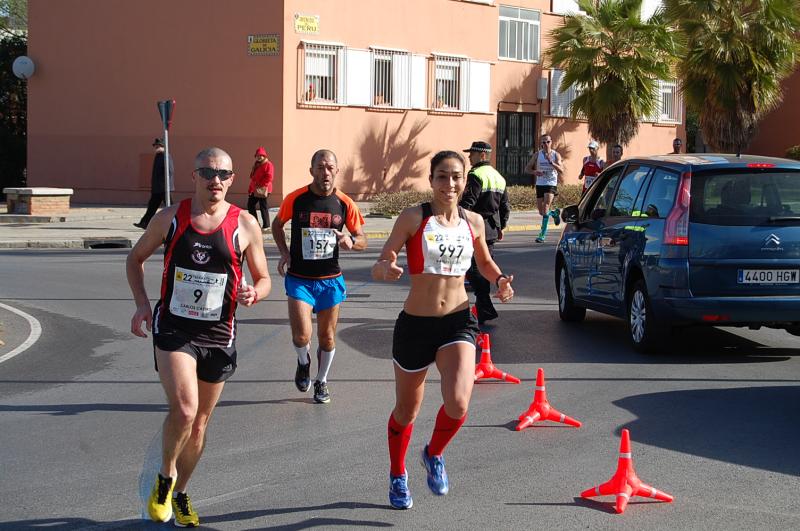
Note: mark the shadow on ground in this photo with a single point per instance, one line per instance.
(708, 423)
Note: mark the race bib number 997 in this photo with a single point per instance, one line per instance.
(198, 294)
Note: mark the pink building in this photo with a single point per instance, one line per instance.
(384, 84)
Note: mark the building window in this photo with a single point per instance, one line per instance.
(669, 105)
(560, 102)
(447, 88)
(519, 34)
(323, 67)
(566, 7)
(391, 78)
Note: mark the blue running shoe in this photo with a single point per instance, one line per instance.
(399, 495)
(557, 216)
(437, 475)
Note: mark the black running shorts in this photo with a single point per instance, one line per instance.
(214, 364)
(542, 189)
(417, 339)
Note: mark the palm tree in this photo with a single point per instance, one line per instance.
(614, 60)
(736, 52)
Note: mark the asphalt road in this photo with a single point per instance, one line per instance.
(714, 422)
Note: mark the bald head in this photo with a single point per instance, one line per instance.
(321, 154)
(213, 153)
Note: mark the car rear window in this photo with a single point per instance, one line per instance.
(746, 197)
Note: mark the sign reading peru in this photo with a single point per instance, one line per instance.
(306, 23)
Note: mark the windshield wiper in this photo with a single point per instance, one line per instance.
(773, 219)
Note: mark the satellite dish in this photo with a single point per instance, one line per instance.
(23, 67)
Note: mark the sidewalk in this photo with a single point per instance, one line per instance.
(93, 227)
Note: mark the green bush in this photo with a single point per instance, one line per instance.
(392, 203)
(793, 153)
(568, 194)
(520, 197)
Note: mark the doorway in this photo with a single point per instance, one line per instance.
(515, 140)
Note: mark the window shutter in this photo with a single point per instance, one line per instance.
(419, 66)
(358, 85)
(463, 85)
(340, 76)
(401, 80)
(479, 86)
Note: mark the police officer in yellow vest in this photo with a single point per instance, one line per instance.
(485, 193)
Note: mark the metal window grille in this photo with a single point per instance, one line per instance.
(447, 82)
(519, 35)
(391, 78)
(323, 71)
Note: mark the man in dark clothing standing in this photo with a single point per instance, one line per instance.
(157, 190)
(485, 194)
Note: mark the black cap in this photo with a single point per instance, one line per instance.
(483, 147)
(158, 142)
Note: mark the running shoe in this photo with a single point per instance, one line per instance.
(437, 475)
(185, 515)
(158, 506)
(540, 239)
(399, 495)
(557, 216)
(140, 225)
(302, 376)
(321, 394)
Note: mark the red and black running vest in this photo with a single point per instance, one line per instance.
(202, 271)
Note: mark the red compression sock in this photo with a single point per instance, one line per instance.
(443, 432)
(399, 437)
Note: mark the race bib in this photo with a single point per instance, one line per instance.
(448, 252)
(318, 243)
(198, 294)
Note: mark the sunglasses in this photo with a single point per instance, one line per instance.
(546, 141)
(210, 173)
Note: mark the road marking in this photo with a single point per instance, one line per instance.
(33, 337)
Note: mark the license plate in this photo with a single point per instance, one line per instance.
(769, 276)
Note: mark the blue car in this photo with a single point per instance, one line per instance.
(678, 240)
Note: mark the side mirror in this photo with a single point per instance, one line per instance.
(570, 214)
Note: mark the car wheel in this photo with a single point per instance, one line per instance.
(794, 329)
(645, 334)
(567, 309)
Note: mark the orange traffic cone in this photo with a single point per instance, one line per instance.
(486, 369)
(540, 408)
(625, 483)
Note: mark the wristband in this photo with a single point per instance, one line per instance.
(353, 239)
(497, 280)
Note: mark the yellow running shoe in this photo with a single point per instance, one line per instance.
(185, 515)
(158, 506)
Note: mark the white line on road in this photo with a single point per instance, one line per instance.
(33, 337)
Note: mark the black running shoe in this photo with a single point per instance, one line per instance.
(321, 394)
(302, 376)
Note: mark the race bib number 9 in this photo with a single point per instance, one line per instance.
(198, 294)
(318, 244)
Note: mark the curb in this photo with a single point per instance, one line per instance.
(124, 242)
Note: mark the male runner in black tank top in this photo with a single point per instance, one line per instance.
(205, 239)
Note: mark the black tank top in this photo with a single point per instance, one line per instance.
(202, 272)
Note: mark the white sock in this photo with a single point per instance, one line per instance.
(302, 354)
(325, 361)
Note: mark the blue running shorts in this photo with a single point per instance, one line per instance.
(320, 294)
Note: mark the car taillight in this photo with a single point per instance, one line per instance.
(760, 165)
(676, 228)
